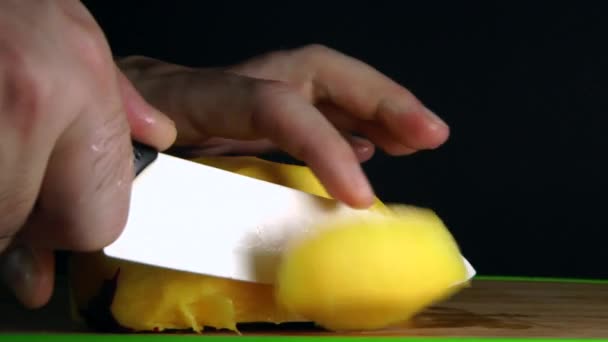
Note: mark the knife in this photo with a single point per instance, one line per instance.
(196, 218)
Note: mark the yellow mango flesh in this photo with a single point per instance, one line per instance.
(154, 299)
(371, 272)
(355, 275)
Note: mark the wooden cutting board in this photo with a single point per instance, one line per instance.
(492, 307)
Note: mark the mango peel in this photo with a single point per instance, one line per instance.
(354, 273)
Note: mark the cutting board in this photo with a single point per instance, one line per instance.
(494, 307)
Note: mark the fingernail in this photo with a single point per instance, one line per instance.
(18, 270)
(395, 108)
(434, 118)
(147, 123)
(164, 123)
(161, 131)
(157, 117)
(360, 145)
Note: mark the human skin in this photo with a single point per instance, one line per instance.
(68, 113)
(67, 117)
(323, 107)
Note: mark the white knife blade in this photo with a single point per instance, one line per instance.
(196, 218)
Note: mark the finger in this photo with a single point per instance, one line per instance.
(197, 104)
(221, 146)
(385, 141)
(370, 129)
(207, 104)
(302, 131)
(148, 125)
(363, 148)
(29, 274)
(29, 127)
(367, 94)
(420, 130)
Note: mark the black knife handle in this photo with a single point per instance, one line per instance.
(143, 156)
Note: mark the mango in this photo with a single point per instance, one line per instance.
(361, 273)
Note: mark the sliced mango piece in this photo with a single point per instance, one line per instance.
(359, 273)
(146, 298)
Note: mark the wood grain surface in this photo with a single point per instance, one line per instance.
(489, 308)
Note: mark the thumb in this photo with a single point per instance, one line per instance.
(28, 273)
(148, 125)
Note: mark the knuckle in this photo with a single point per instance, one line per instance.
(90, 48)
(312, 149)
(268, 98)
(94, 52)
(26, 92)
(269, 90)
(327, 143)
(306, 150)
(275, 57)
(315, 50)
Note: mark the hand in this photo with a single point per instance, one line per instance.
(67, 116)
(307, 102)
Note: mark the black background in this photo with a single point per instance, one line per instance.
(521, 182)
